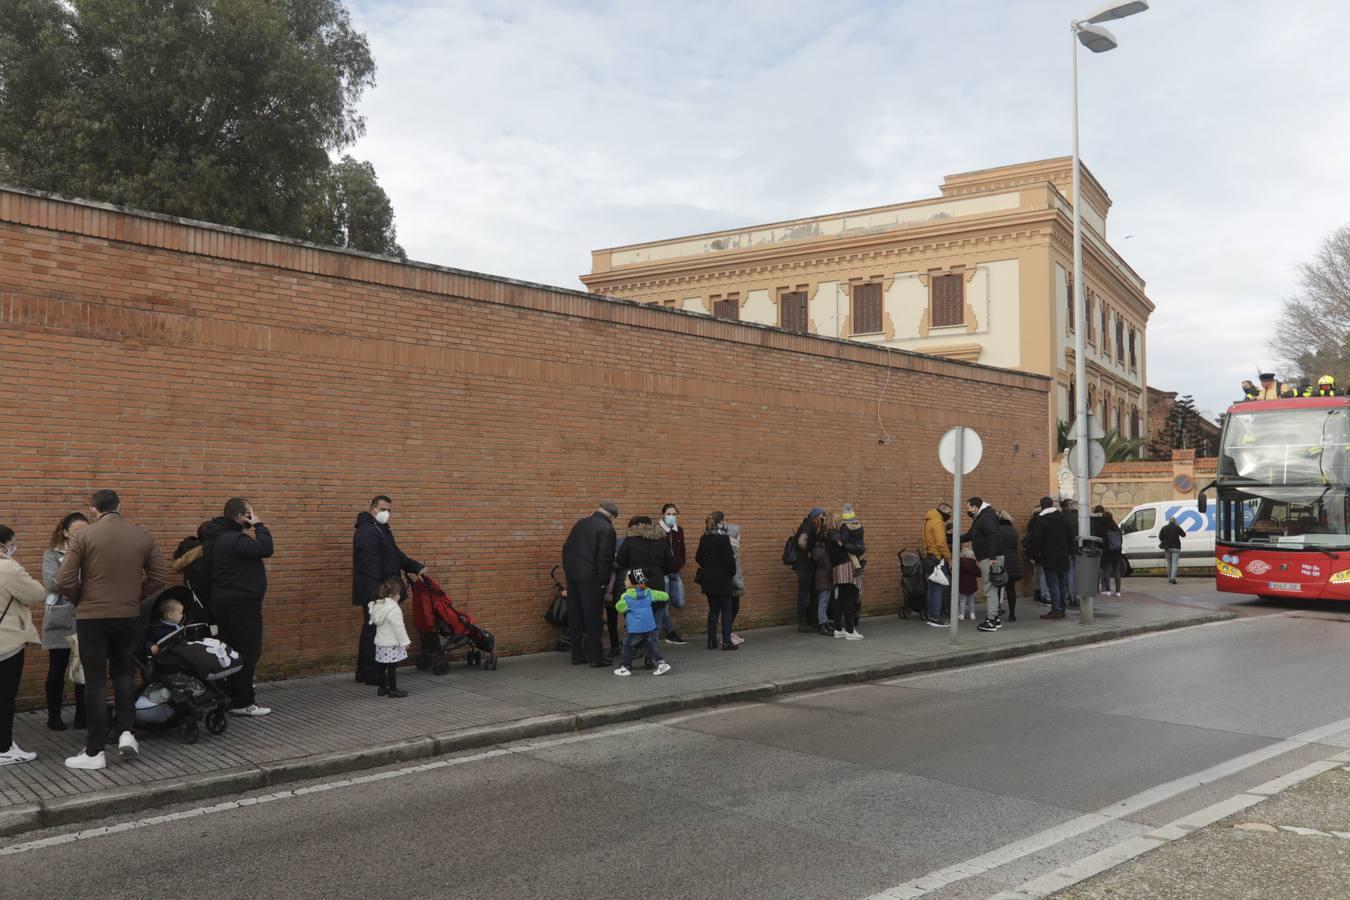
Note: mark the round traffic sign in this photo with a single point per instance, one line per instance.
(972, 449)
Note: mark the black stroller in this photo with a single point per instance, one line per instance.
(913, 584)
(556, 614)
(181, 684)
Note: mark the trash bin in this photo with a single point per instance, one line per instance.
(1087, 567)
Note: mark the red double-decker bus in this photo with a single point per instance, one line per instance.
(1282, 497)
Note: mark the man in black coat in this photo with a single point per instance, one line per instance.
(984, 541)
(234, 546)
(375, 557)
(1049, 544)
(588, 561)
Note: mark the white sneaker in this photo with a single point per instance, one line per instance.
(853, 636)
(252, 709)
(127, 747)
(623, 671)
(737, 639)
(839, 634)
(16, 754)
(662, 668)
(83, 760)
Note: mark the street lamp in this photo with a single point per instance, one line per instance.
(1090, 33)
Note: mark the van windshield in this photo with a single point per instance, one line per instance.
(1286, 517)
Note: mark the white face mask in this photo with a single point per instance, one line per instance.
(12, 549)
(382, 517)
(670, 521)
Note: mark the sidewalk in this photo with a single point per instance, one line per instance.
(330, 724)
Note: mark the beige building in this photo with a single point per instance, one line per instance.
(980, 273)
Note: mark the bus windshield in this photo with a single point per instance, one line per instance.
(1287, 447)
(1288, 518)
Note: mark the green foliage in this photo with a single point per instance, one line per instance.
(1312, 332)
(1117, 447)
(222, 110)
(1183, 430)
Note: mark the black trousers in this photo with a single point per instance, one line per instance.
(106, 647)
(239, 623)
(11, 673)
(806, 595)
(57, 662)
(848, 606)
(366, 668)
(585, 619)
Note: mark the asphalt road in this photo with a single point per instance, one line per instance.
(968, 782)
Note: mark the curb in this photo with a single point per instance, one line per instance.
(99, 804)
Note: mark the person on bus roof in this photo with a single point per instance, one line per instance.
(1288, 392)
(1270, 388)
(1326, 387)
(1250, 391)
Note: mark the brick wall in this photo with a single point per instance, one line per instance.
(182, 363)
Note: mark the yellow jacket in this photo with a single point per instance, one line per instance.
(935, 536)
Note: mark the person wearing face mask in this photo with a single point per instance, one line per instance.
(937, 550)
(58, 623)
(670, 525)
(108, 569)
(18, 591)
(239, 542)
(375, 557)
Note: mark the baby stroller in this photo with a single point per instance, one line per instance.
(445, 629)
(913, 585)
(181, 685)
(556, 614)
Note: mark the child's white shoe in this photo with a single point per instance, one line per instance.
(623, 671)
(662, 668)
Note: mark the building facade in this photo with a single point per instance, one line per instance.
(981, 273)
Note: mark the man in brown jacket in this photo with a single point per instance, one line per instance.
(110, 566)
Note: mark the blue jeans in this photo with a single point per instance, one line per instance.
(1173, 562)
(823, 604)
(936, 595)
(675, 588)
(642, 640)
(1055, 584)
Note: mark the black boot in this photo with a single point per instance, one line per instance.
(1012, 609)
(712, 643)
(54, 720)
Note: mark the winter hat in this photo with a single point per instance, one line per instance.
(849, 514)
(638, 577)
(610, 507)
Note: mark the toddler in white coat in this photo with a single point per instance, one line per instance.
(391, 637)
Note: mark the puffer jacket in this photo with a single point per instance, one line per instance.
(18, 591)
(387, 617)
(935, 536)
(645, 547)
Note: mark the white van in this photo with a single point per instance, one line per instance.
(1139, 535)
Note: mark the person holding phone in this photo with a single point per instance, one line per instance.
(236, 544)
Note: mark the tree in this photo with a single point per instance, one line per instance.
(223, 110)
(350, 209)
(1184, 429)
(1115, 445)
(1312, 334)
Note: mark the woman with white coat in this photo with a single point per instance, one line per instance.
(18, 591)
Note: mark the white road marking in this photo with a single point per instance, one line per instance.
(339, 784)
(1081, 648)
(1042, 840)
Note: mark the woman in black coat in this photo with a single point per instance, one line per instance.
(1105, 530)
(1011, 547)
(716, 559)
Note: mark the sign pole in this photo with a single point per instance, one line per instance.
(959, 465)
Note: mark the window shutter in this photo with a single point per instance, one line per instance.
(792, 311)
(727, 309)
(948, 301)
(867, 308)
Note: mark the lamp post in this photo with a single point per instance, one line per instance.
(1090, 33)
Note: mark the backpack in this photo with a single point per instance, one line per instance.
(790, 551)
(1113, 541)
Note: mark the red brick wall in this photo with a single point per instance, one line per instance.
(182, 363)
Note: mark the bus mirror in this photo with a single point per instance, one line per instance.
(1202, 503)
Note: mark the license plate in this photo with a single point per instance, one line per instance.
(1285, 586)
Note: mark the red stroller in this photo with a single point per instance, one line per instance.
(445, 629)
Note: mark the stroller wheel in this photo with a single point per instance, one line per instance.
(188, 731)
(491, 664)
(216, 721)
(424, 661)
(441, 667)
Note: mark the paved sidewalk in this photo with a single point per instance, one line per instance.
(331, 724)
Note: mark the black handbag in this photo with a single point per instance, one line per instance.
(556, 614)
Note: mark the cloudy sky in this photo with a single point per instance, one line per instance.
(515, 136)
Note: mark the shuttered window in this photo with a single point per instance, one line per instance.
(792, 314)
(1120, 339)
(1072, 305)
(867, 308)
(727, 309)
(948, 298)
(1134, 360)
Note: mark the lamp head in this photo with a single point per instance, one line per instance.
(1096, 38)
(1117, 10)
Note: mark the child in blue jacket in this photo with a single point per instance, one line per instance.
(640, 622)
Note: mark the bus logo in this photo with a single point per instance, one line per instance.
(1261, 567)
(1225, 569)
